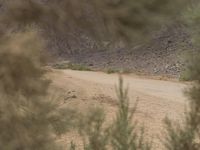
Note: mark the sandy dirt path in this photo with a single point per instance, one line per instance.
(172, 91)
(157, 99)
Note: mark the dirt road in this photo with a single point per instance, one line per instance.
(157, 99)
(171, 91)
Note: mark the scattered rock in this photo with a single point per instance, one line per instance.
(90, 64)
(74, 96)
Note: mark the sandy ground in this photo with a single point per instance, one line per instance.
(157, 99)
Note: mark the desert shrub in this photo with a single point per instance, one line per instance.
(28, 120)
(72, 146)
(185, 135)
(126, 70)
(124, 135)
(61, 65)
(68, 65)
(91, 128)
(185, 76)
(111, 71)
(120, 135)
(80, 67)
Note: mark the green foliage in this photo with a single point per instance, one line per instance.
(120, 135)
(68, 65)
(193, 68)
(190, 59)
(61, 65)
(72, 146)
(95, 135)
(192, 71)
(78, 67)
(181, 137)
(28, 120)
(124, 134)
(185, 136)
(191, 18)
(185, 76)
(126, 71)
(110, 71)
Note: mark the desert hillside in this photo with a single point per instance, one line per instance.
(164, 55)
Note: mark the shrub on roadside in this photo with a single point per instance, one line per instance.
(120, 135)
(68, 65)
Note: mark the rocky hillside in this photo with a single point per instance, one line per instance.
(164, 55)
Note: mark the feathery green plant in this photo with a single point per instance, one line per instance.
(95, 135)
(124, 134)
(120, 135)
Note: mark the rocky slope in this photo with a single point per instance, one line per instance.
(164, 55)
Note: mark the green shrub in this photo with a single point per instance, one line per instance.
(185, 76)
(78, 67)
(95, 135)
(126, 71)
(111, 71)
(124, 135)
(186, 135)
(67, 65)
(28, 119)
(120, 135)
(61, 65)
